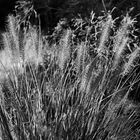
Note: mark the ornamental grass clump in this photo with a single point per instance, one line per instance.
(64, 92)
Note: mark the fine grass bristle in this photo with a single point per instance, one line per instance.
(81, 55)
(33, 49)
(128, 66)
(64, 53)
(13, 32)
(121, 49)
(121, 38)
(105, 31)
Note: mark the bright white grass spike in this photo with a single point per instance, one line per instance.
(12, 29)
(120, 50)
(121, 39)
(29, 52)
(33, 48)
(6, 55)
(81, 50)
(84, 79)
(122, 46)
(12, 36)
(105, 33)
(130, 64)
(38, 46)
(122, 32)
(87, 73)
(5, 64)
(35, 38)
(64, 53)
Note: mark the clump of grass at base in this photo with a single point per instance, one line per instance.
(79, 97)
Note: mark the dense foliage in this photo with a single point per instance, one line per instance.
(75, 84)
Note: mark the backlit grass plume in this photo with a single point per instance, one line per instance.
(64, 49)
(20, 47)
(131, 61)
(81, 57)
(105, 31)
(122, 38)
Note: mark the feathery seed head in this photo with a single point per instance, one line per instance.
(122, 33)
(120, 51)
(81, 53)
(13, 32)
(64, 53)
(106, 26)
(130, 64)
(121, 39)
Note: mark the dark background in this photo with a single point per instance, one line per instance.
(53, 10)
(6, 7)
